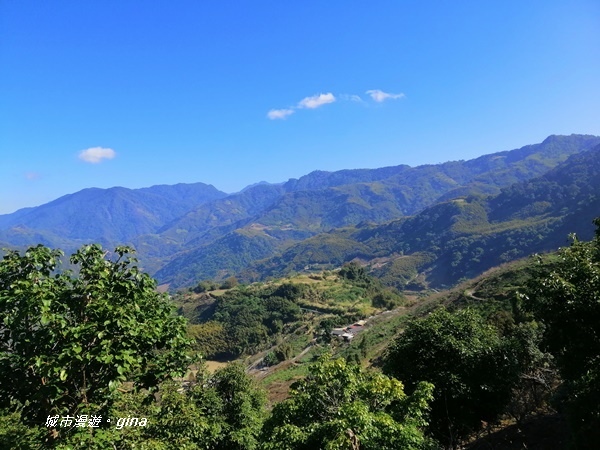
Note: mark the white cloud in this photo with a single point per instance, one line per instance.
(319, 100)
(95, 155)
(275, 114)
(316, 100)
(380, 96)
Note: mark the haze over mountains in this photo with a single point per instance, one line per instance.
(428, 225)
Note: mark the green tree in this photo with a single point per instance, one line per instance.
(229, 283)
(209, 338)
(270, 359)
(242, 410)
(356, 273)
(290, 291)
(340, 406)
(205, 286)
(386, 299)
(566, 297)
(472, 368)
(68, 342)
(222, 411)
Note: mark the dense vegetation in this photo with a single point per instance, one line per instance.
(340, 406)
(567, 301)
(101, 342)
(67, 343)
(473, 367)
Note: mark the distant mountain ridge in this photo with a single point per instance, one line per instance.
(111, 215)
(463, 237)
(321, 201)
(184, 233)
(333, 199)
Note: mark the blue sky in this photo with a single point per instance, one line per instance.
(136, 93)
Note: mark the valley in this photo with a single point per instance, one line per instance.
(366, 276)
(434, 220)
(299, 225)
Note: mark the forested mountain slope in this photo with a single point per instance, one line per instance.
(461, 238)
(188, 232)
(323, 201)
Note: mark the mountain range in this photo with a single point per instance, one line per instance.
(424, 226)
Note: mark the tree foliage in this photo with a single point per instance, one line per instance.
(472, 368)
(340, 406)
(68, 341)
(222, 411)
(566, 297)
(209, 338)
(249, 318)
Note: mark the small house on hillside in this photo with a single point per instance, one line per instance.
(348, 333)
(347, 337)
